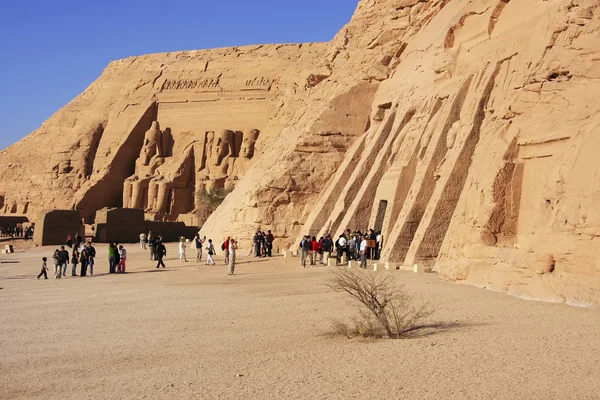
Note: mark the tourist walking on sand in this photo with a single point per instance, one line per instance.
(78, 239)
(74, 262)
(161, 252)
(91, 254)
(182, 257)
(56, 260)
(269, 240)
(69, 240)
(199, 245)
(210, 250)
(143, 241)
(151, 244)
(122, 259)
(305, 246)
(64, 260)
(314, 248)
(113, 254)
(44, 269)
(232, 248)
(225, 248)
(363, 252)
(84, 259)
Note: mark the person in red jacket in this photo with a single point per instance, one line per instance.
(314, 250)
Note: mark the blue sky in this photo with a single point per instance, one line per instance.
(52, 50)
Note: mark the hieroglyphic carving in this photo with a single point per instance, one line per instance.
(182, 84)
(262, 81)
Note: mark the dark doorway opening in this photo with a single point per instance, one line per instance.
(380, 215)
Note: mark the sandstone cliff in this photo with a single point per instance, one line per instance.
(463, 130)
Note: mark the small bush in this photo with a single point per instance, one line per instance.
(386, 309)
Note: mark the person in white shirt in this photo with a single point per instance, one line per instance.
(232, 248)
(210, 248)
(122, 259)
(143, 241)
(182, 257)
(378, 248)
(342, 248)
(363, 253)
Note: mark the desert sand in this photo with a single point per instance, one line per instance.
(191, 332)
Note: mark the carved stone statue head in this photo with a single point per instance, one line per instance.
(248, 143)
(221, 145)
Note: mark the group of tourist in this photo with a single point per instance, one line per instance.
(83, 256)
(353, 245)
(74, 241)
(262, 244)
(17, 232)
(158, 250)
(155, 245)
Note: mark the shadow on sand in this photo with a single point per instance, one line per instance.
(436, 328)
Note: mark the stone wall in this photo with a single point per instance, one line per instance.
(125, 226)
(53, 226)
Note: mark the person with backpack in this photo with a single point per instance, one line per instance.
(210, 249)
(305, 246)
(160, 253)
(225, 249)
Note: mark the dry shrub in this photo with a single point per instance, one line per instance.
(386, 310)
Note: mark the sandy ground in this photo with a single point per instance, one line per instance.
(191, 332)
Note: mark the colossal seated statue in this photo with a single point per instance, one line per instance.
(241, 164)
(151, 157)
(219, 160)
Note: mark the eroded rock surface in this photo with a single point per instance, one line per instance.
(463, 130)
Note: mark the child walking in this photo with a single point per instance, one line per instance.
(44, 269)
(211, 251)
